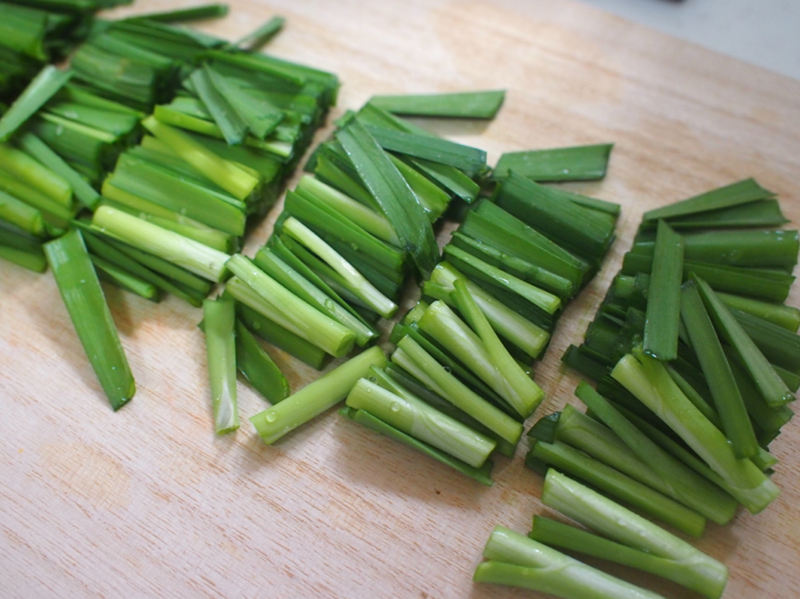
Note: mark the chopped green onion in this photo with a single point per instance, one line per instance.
(194, 13)
(516, 560)
(566, 458)
(316, 397)
(724, 390)
(649, 381)
(288, 310)
(277, 335)
(564, 536)
(735, 194)
(482, 474)
(219, 319)
(579, 163)
(465, 105)
(262, 35)
(623, 526)
(416, 418)
(767, 380)
(90, 316)
(356, 282)
(517, 387)
(182, 251)
(396, 200)
(44, 154)
(226, 174)
(43, 87)
(664, 299)
(437, 378)
(665, 474)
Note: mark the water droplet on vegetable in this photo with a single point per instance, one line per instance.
(271, 416)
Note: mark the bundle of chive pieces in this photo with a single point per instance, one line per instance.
(34, 33)
(458, 386)
(696, 359)
(92, 185)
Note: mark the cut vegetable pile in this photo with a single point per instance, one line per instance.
(145, 163)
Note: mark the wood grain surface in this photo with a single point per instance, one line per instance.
(147, 502)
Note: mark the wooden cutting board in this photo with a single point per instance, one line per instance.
(147, 502)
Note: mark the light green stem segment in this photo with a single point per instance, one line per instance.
(219, 319)
(90, 316)
(624, 447)
(448, 329)
(418, 419)
(442, 382)
(766, 378)
(611, 520)
(516, 560)
(288, 310)
(519, 330)
(363, 216)
(187, 253)
(228, 175)
(316, 397)
(650, 382)
(24, 168)
(664, 298)
(564, 536)
(356, 282)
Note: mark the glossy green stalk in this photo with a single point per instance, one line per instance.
(664, 298)
(396, 200)
(262, 35)
(784, 316)
(21, 215)
(563, 536)
(22, 250)
(465, 105)
(735, 194)
(649, 381)
(579, 163)
(538, 297)
(284, 274)
(276, 335)
(316, 397)
(34, 146)
(357, 212)
(194, 13)
(418, 419)
(356, 282)
(112, 254)
(548, 210)
(288, 310)
(39, 91)
(566, 458)
(19, 165)
(482, 474)
(90, 316)
(228, 175)
(119, 277)
(516, 560)
(441, 381)
(669, 476)
(620, 524)
(721, 383)
(767, 380)
(529, 337)
(182, 251)
(517, 387)
(219, 320)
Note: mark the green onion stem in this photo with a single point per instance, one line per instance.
(219, 319)
(316, 397)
